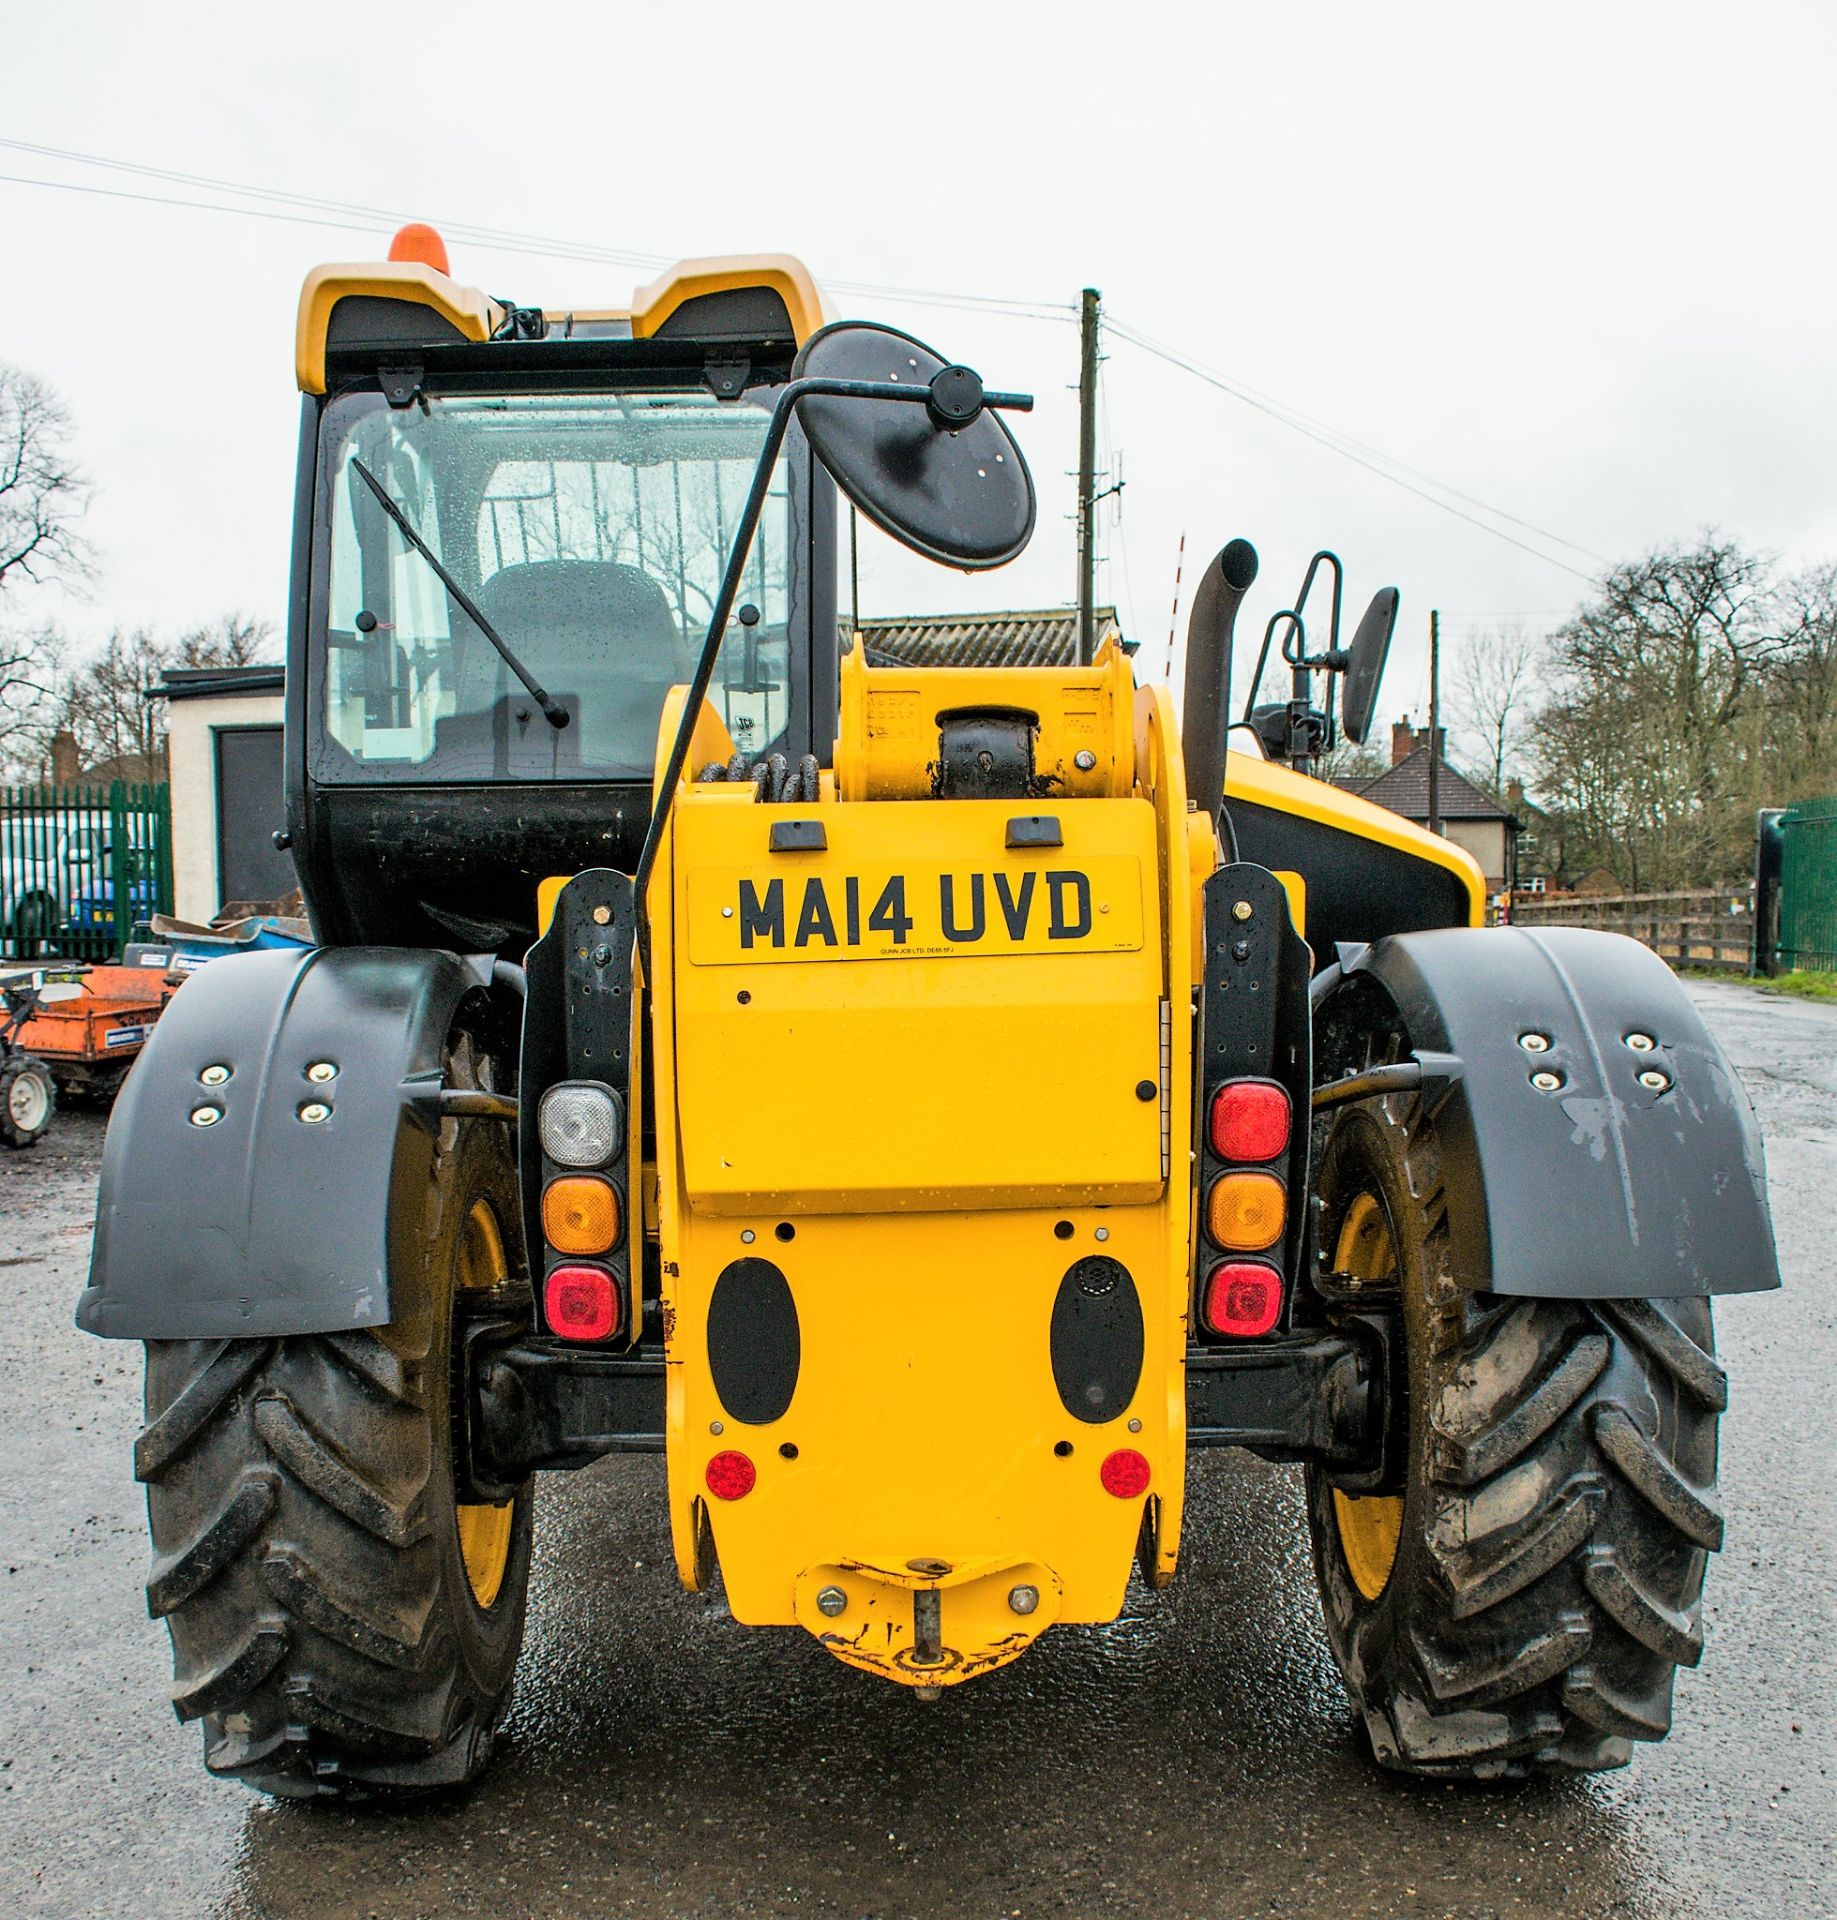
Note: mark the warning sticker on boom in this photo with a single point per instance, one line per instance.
(918, 911)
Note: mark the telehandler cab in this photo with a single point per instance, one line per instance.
(875, 1089)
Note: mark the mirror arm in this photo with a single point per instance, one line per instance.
(1332, 559)
(948, 399)
(1269, 634)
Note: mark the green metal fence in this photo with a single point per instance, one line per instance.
(1808, 887)
(80, 867)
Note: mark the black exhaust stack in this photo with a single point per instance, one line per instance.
(1208, 672)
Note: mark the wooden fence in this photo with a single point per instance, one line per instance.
(1701, 929)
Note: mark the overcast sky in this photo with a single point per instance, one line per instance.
(1574, 261)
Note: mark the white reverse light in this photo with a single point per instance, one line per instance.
(579, 1124)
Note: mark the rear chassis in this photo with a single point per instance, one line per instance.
(939, 1291)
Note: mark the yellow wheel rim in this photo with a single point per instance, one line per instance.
(1369, 1527)
(484, 1531)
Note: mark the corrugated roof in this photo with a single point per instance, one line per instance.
(191, 683)
(1404, 789)
(1043, 637)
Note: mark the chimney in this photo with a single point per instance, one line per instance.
(1514, 796)
(1403, 741)
(65, 765)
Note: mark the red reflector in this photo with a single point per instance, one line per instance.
(581, 1303)
(1243, 1298)
(1250, 1121)
(1125, 1473)
(730, 1476)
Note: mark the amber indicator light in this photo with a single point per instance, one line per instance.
(580, 1215)
(1246, 1212)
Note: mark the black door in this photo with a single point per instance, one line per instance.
(249, 810)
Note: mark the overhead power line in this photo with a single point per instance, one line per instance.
(299, 209)
(1390, 460)
(1369, 458)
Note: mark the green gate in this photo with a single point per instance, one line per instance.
(81, 867)
(1808, 888)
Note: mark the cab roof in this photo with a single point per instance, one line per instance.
(408, 307)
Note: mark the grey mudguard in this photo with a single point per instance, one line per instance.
(262, 1222)
(1602, 1188)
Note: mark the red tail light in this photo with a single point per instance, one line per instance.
(581, 1303)
(730, 1476)
(1125, 1473)
(1250, 1120)
(1243, 1298)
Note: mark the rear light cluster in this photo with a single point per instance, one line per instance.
(580, 1127)
(1249, 1124)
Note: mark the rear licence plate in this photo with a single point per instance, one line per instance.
(920, 910)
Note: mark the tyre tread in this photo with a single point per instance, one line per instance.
(245, 1667)
(165, 1438)
(319, 1465)
(1550, 1580)
(1671, 1634)
(179, 1576)
(1481, 1576)
(1653, 1477)
(1700, 1374)
(1468, 1462)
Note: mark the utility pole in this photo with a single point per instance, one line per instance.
(854, 570)
(1435, 719)
(1173, 619)
(1087, 475)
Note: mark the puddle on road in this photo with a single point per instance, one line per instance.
(1195, 1756)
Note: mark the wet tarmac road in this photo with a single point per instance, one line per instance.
(1195, 1758)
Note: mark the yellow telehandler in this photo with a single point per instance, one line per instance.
(923, 1104)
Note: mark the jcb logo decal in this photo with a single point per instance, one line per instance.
(917, 912)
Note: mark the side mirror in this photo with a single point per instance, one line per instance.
(947, 478)
(1365, 664)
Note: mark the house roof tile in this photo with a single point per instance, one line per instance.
(1404, 789)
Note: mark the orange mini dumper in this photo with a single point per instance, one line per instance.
(79, 1030)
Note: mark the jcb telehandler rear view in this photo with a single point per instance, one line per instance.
(908, 1099)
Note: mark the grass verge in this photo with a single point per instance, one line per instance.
(1800, 986)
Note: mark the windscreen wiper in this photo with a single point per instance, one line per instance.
(552, 709)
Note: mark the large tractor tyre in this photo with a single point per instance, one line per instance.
(28, 1099)
(341, 1623)
(1524, 1599)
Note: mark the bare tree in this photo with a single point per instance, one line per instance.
(234, 639)
(42, 497)
(105, 703)
(42, 493)
(1346, 761)
(1495, 683)
(1652, 735)
(1802, 691)
(28, 677)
